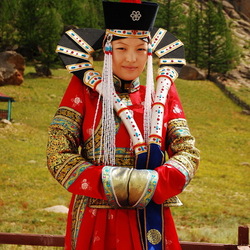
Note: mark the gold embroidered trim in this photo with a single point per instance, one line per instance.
(172, 202)
(98, 203)
(74, 36)
(72, 52)
(169, 48)
(157, 38)
(79, 66)
(172, 61)
(128, 33)
(103, 204)
(80, 203)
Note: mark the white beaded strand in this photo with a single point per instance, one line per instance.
(149, 95)
(108, 118)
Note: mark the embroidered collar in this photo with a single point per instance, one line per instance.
(126, 86)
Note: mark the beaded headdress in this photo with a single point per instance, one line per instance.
(124, 19)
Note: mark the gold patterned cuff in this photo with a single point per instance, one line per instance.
(142, 185)
(115, 182)
(128, 188)
(120, 180)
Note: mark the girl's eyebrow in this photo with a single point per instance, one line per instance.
(141, 44)
(122, 43)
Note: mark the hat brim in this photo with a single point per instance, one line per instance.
(94, 38)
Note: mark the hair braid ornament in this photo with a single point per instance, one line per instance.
(108, 117)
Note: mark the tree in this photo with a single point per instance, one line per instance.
(172, 17)
(8, 33)
(49, 34)
(93, 14)
(39, 26)
(72, 12)
(218, 53)
(193, 33)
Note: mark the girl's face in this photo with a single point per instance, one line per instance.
(129, 58)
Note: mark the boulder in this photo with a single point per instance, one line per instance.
(42, 70)
(12, 66)
(190, 72)
(57, 209)
(242, 6)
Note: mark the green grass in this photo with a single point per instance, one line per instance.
(242, 92)
(215, 203)
(217, 200)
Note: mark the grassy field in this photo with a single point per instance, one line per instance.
(215, 203)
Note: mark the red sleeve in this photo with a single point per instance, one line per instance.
(89, 183)
(170, 183)
(65, 163)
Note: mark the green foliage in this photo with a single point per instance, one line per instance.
(71, 12)
(8, 33)
(93, 14)
(193, 32)
(171, 16)
(39, 26)
(218, 53)
(208, 39)
(36, 27)
(215, 202)
(49, 27)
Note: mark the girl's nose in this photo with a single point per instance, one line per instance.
(130, 57)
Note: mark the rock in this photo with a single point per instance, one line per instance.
(233, 14)
(32, 161)
(245, 25)
(190, 72)
(226, 4)
(5, 121)
(246, 112)
(240, 75)
(42, 70)
(245, 164)
(242, 6)
(57, 209)
(12, 67)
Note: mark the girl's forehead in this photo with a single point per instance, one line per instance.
(130, 42)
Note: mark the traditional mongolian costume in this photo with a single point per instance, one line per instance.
(122, 150)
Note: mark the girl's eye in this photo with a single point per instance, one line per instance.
(141, 49)
(120, 48)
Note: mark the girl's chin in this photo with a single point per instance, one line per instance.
(127, 77)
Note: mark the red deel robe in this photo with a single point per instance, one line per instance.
(92, 223)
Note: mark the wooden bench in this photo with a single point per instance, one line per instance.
(6, 113)
(58, 241)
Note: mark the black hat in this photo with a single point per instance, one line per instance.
(129, 16)
(122, 19)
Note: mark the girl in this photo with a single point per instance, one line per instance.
(123, 151)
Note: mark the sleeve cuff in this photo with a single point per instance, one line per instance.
(142, 186)
(128, 188)
(181, 168)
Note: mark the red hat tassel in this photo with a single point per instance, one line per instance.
(130, 1)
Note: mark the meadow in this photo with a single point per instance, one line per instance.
(216, 202)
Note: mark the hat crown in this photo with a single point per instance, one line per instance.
(130, 15)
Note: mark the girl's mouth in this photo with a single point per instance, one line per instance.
(130, 68)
